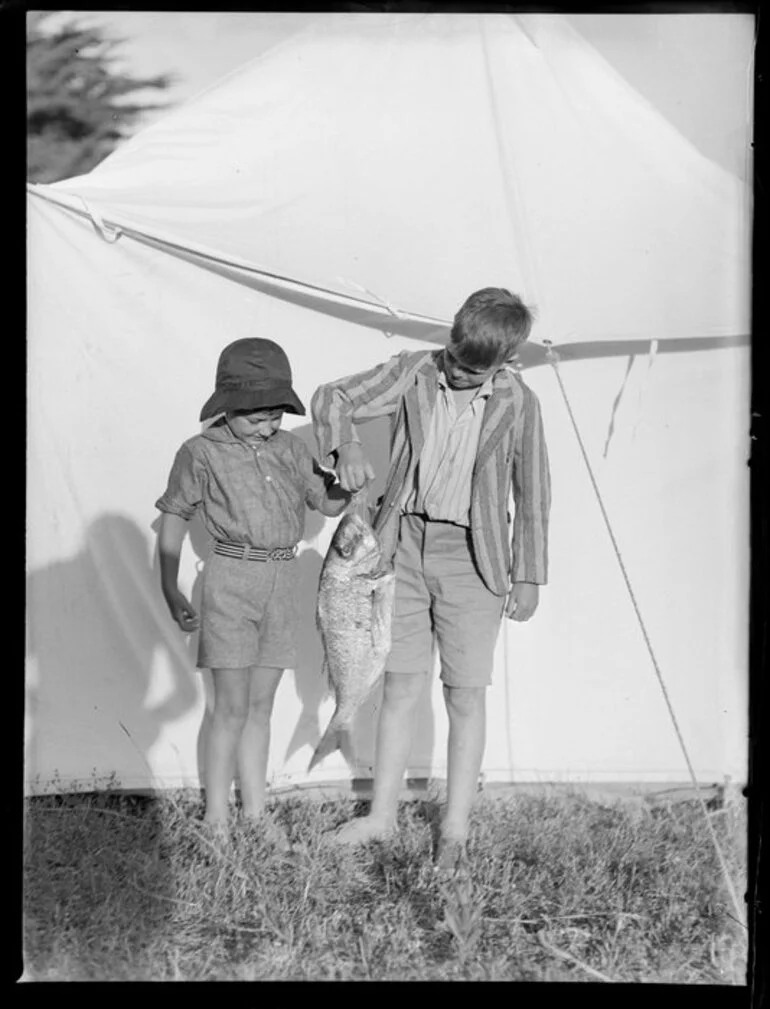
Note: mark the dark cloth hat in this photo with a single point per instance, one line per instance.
(252, 375)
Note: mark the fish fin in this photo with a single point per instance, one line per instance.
(330, 741)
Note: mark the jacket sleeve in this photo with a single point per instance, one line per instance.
(317, 482)
(338, 406)
(531, 497)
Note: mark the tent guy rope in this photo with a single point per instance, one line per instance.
(111, 231)
(109, 234)
(553, 359)
(360, 310)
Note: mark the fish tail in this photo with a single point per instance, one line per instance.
(330, 741)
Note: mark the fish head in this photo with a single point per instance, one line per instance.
(356, 544)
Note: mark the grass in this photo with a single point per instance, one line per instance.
(123, 887)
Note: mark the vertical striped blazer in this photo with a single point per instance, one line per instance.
(511, 456)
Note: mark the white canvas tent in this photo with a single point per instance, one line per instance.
(343, 194)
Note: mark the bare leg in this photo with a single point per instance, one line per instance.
(230, 711)
(254, 745)
(466, 708)
(401, 694)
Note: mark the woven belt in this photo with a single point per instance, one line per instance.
(244, 552)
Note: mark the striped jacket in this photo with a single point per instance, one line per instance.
(511, 456)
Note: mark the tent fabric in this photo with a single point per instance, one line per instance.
(417, 159)
(487, 149)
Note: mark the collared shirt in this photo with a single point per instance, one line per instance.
(246, 493)
(442, 482)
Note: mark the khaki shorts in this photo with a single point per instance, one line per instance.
(249, 614)
(441, 597)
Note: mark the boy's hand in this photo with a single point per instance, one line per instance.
(353, 468)
(181, 610)
(522, 601)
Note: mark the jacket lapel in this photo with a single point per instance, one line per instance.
(497, 419)
(419, 401)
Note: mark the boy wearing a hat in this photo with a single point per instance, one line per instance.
(250, 483)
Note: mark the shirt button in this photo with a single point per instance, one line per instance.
(269, 479)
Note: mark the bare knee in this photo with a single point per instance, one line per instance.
(231, 714)
(260, 709)
(263, 686)
(464, 702)
(402, 690)
(231, 698)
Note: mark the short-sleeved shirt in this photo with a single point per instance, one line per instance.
(245, 493)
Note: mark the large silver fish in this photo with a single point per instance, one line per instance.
(353, 613)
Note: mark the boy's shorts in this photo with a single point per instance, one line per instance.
(249, 614)
(439, 592)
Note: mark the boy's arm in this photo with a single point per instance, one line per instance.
(338, 406)
(178, 505)
(322, 492)
(170, 537)
(532, 501)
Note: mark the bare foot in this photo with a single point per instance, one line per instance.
(449, 831)
(451, 848)
(361, 831)
(214, 835)
(271, 832)
(449, 854)
(215, 828)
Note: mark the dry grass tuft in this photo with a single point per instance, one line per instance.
(131, 888)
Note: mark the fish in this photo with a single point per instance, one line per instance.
(354, 613)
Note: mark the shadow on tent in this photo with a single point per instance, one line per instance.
(199, 541)
(96, 621)
(96, 628)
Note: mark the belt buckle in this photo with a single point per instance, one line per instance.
(281, 554)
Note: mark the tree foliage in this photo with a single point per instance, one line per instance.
(78, 105)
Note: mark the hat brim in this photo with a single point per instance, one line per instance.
(225, 400)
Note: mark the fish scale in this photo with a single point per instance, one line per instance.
(354, 614)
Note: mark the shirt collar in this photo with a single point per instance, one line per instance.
(486, 390)
(219, 431)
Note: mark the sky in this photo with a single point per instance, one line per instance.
(696, 69)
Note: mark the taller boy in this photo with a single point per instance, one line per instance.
(466, 431)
